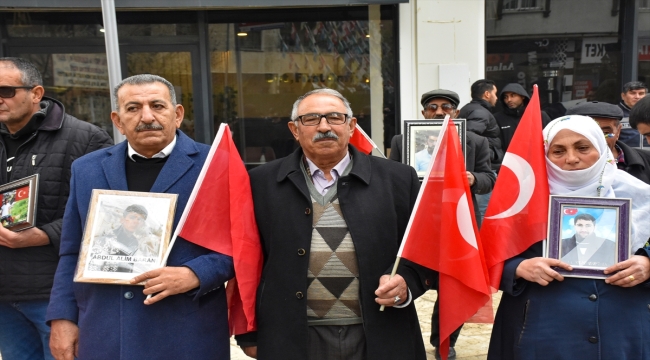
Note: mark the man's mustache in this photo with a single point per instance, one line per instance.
(152, 126)
(325, 135)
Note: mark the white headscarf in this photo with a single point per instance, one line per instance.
(586, 182)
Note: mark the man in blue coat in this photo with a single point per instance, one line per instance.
(186, 317)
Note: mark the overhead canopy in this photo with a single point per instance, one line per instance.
(185, 4)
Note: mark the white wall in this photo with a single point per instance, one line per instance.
(440, 37)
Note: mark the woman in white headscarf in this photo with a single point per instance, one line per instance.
(543, 315)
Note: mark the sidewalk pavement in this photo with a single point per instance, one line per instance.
(472, 343)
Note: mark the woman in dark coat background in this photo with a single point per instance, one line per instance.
(543, 315)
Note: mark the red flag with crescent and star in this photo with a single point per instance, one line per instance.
(517, 215)
(442, 235)
(22, 193)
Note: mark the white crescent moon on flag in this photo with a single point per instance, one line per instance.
(21, 192)
(464, 219)
(525, 175)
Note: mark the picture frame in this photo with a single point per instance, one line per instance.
(588, 233)
(19, 202)
(417, 136)
(126, 234)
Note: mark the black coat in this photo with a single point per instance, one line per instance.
(376, 200)
(27, 273)
(481, 122)
(637, 162)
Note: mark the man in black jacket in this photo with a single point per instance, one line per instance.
(632, 160)
(514, 99)
(36, 136)
(480, 121)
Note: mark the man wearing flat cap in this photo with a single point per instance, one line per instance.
(436, 105)
(632, 160)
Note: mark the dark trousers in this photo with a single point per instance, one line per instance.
(435, 329)
(333, 342)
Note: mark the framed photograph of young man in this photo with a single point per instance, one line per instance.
(588, 233)
(420, 138)
(19, 199)
(127, 233)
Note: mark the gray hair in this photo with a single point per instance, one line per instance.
(323, 91)
(29, 74)
(144, 79)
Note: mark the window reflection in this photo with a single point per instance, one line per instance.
(259, 70)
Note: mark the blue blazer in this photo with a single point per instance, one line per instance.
(113, 321)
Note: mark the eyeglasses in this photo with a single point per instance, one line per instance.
(445, 107)
(7, 92)
(332, 119)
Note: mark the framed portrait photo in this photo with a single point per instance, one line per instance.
(588, 233)
(127, 233)
(19, 199)
(420, 137)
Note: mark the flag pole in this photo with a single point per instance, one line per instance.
(417, 201)
(381, 308)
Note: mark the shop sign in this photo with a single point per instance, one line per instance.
(644, 49)
(594, 49)
(80, 70)
(581, 88)
(499, 62)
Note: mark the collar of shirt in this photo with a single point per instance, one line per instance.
(161, 154)
(621, 156)
(318, 176)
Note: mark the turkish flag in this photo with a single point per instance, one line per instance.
(219, 216)
(22, 193)
(362, 141)
(442, 235)
(517, 215)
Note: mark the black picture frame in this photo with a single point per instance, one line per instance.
(609, 218)
(415, 136)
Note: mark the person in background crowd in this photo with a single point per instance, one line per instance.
(514, 99)
(480, 120)
(640, 117)
(632, 93)
(632, 160)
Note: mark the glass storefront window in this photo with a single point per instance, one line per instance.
(260, 69)
(80, 82)
(173, 66)
(584, 63)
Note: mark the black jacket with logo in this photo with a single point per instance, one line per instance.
(27, 273)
